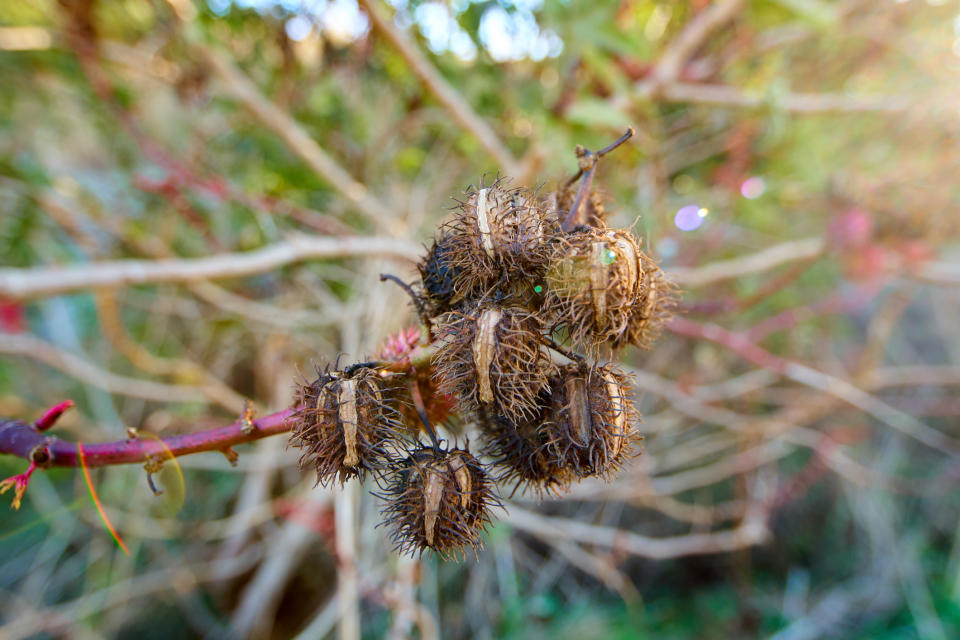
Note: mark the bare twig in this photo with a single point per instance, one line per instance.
(750, 532)
(36, 282)
(29, 346)
(832, 385)
(759, 262)
(671, 62)
(448, 96)
(800, 103)
(20, 439)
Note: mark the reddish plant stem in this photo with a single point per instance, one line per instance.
(21, 439)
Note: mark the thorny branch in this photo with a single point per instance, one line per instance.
(26, 441)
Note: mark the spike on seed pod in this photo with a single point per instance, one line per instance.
(656, 299)
(593, 284)
(521, 454)
(439, 500)
(592, 421)
(498, 235)
(346, 424)
(493, 357)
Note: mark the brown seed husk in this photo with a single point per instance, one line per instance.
(438, 277)
(657, 297)
(594, 285)
(438, 500)
(498, 237)
(558, 204)
(347, 425)
(521, 455)
(493, 357)
(592, 421)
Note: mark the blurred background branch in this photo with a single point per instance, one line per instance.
(197, 199)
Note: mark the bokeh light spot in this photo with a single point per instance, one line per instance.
(753, 188)
(688, 218)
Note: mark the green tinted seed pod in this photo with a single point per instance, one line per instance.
(656, 299)
(346, 424)
(594, 283)
(498, 235)
(492, 357)
(521, 454)
(438, 500)
(592, 421)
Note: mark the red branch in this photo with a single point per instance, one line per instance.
(23, 440)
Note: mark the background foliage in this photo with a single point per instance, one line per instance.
(805, 399)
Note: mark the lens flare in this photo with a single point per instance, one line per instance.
(689, 217)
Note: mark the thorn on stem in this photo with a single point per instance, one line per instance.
(247, 426)
(51, 415)
(231, 455)
(153, 465)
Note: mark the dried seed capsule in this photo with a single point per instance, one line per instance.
(594, 284)
(521, 454)
(593, 212)
(592, 420)
(438, 500)
(347, 424)
(498, 236)
(438, 277)
(493, 357)
(656, 298)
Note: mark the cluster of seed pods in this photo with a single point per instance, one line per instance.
(520, 295)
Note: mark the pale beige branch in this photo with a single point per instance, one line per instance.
(458, 107)
(800, 103)
(752, 531)
(940, 273)
(805, 249)
(36, 282)
(671, 62)
(76, 367)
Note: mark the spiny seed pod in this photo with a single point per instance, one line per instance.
(438, 277)
(347, 424)
(497, 236)
(656, 298)
(493, 357)
(592, 421)
(438, 500)
(593, 284)
(592, 212)
(522, 455)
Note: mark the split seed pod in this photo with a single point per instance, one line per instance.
(522, 455)
(594, 284)
(438, 500)
(593, 420)
(493, 358)
(656, 298)
(499, 235)
(592, 211)
(346, 424)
